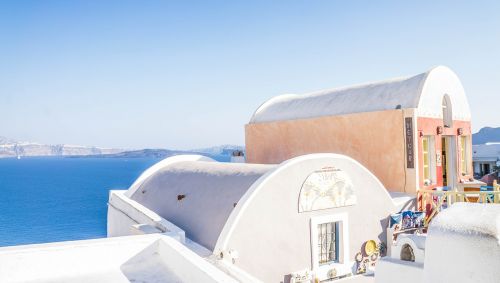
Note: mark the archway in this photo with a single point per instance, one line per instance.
(407, 253)
(447, 111)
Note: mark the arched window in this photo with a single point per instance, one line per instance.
(407, 253)
(447, 112)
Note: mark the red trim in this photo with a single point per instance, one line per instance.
(428, 127)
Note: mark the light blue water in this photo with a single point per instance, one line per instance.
(59, 199)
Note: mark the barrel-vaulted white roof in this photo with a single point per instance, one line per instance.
(423, 92)
(196, 194)
(165, 163)
(207, 199)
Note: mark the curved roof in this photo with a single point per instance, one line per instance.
(368, 185)
(197, 196)
(469, 220)
(206, 198)
(464, 237)
(423, 91)
(163, 164)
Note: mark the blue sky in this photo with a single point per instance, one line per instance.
(187, 74)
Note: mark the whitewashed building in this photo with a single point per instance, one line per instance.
(485, 158)
(309, 216)
(462, 245)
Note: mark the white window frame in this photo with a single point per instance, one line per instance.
(465, 160)
(342, 265)
(452, 162)
(431, 152)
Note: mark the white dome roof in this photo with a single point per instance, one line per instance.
(197, 195)
(423, 92)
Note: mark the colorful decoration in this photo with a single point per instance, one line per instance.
(301, 276)
(412, 219)
(368, 256)
(370, 247)
(326, 188)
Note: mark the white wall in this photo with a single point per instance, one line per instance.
(272, 239)
(390, 270)
(124, 213)
(463, 245)
(146, 258)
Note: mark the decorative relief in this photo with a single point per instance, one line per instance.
(326, 188)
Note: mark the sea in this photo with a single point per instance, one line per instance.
(60, 199)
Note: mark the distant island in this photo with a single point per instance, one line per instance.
(12, 148)
(219, 153)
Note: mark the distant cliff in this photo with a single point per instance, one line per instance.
(219, 153)
(12, 148)
(486, 134)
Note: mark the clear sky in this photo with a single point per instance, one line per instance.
(188, 74)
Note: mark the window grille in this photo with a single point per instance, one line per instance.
(327, 242)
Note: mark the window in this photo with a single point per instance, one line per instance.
(464, 157)
(429, 165)
(426, 157)
(447, 112)
(327, 242)
(330, 245)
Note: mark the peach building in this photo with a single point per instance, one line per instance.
(412, 132)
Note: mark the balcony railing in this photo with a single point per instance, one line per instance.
(433, 201)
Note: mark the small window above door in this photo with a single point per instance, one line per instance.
(447, 112)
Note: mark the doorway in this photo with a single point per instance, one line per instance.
(444, 155)
(486, 169)
(448, 161)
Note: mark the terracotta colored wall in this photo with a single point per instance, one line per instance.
(375, 139)
(428, 127)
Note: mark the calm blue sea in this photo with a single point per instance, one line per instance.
(60, 199)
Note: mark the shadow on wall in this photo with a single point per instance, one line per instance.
(382, 237)
(409, 205)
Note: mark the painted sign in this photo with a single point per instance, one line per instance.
(326, 188)
(438, 159)
(410, 156)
